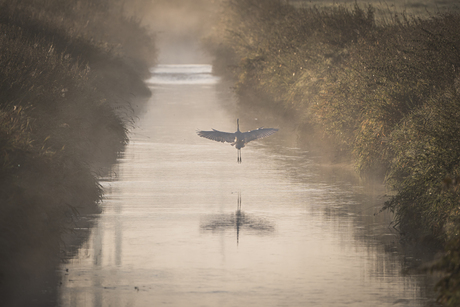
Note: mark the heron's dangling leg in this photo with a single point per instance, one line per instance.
(239, 156)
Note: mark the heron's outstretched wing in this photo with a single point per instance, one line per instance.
(257, 134)
(218, 136)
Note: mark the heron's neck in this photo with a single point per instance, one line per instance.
(238, 125)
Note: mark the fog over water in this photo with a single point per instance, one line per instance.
(184, 225)
(179, 26)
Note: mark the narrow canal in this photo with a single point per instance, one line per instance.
(184, 224)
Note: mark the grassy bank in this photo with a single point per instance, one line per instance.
(385, 94)
(68, 74)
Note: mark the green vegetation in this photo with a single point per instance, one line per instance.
(386, 93)
(68, 72)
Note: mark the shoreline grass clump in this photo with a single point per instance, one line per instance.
(69, 72)
(383, 91)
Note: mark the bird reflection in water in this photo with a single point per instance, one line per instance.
(238, 221)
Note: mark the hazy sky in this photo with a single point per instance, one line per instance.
(179, 25)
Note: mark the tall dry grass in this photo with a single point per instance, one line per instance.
(69, 71)
(384, 93)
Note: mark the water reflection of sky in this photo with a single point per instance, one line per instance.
(307, 233)
(182, 74)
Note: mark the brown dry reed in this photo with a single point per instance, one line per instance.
(69, 71)
(386, 94)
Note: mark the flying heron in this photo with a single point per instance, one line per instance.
(238, 139)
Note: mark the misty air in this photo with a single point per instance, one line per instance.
(116, 189)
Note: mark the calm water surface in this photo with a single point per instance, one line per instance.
(184, 225)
